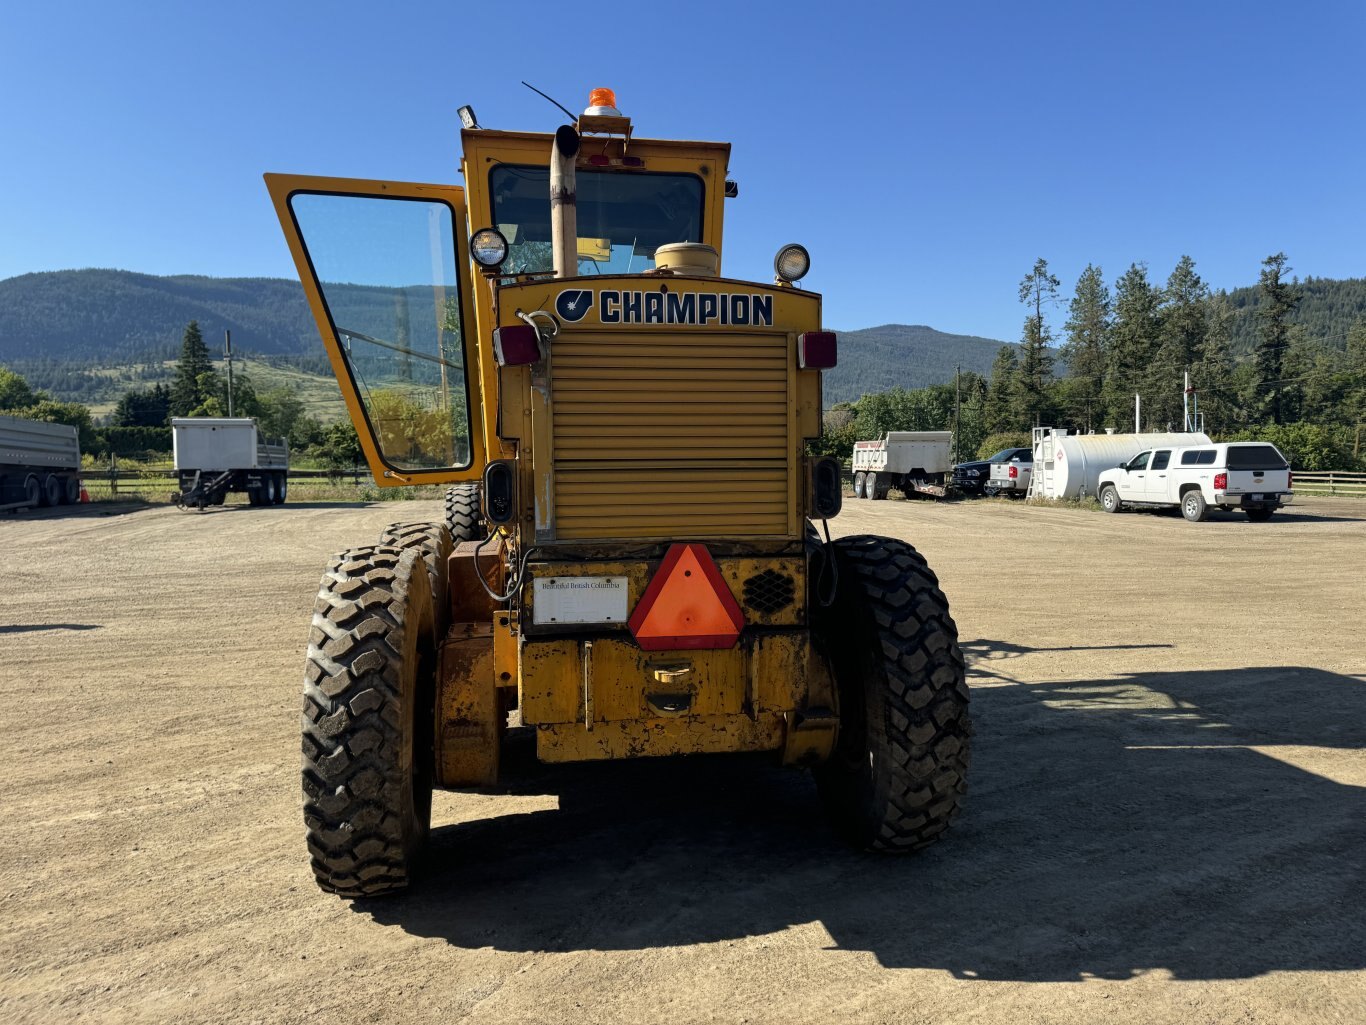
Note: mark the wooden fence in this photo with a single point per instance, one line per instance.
(1334, 482)
(107, 482)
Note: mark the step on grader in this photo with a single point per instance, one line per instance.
(629, 563)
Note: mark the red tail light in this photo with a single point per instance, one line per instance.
(817, 350)
(516, 346)
(1220, 481)
(1014, 472)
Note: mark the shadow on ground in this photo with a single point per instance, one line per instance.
(25, 628)
(1113, 827)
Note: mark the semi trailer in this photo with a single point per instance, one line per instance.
(913, 462)
(217, 455)
(40, 463)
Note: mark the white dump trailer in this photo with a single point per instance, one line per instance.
(1069, 465)
(215, 455)
(40, 463)
(913, 462)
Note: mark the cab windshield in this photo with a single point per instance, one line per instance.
(623, 217)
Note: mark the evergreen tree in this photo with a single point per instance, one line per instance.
(1183, 323)
(997, 412)
(1088, 342)
(194, 377)
(1278, 301)
(1033, 382)
(143, 407)
(1212, 370)
(1133, 342)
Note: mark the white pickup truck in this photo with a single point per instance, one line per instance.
(1248, 475)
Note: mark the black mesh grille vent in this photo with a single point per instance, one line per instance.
(769, 591)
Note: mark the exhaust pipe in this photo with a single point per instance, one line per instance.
(564, 226)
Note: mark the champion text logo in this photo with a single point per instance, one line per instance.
(700, 309)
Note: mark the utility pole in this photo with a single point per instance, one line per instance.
(957, 402)
(227, 351)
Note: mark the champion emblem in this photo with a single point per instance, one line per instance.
(573, 304)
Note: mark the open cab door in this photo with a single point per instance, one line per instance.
(384, 267)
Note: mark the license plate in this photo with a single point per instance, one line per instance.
(578, 600)
(1255, 498)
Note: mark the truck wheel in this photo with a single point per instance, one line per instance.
(463, 518)
(52, 490)
(1259, 515)
(1109, 499)
(872, 488)
(860, 479)
(33, 490)
(268, 490)
(899, 768)
(368, 721)
(281, 488)
(71, 491)
(1193, 506)
(432, 541)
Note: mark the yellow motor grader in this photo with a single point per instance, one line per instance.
(629, 563)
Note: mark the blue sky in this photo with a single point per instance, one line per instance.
(925, 154)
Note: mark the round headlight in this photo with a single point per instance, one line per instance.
(488, 247)
(792, 262)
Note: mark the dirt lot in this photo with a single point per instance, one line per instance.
(1167, 820)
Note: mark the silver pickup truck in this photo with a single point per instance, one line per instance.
(1011, 478)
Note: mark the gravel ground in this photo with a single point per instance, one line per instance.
(1166, 823)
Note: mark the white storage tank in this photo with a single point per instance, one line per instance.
(1069, 465)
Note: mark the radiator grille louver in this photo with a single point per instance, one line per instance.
(670, 435)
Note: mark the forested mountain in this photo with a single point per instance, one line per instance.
(111, 317)
(903, 355)
(56, 325)
(1328, 309)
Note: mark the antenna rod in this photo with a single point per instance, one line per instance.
(570, 114)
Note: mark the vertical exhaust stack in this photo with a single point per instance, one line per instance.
(564, 228)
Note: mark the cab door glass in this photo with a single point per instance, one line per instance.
(386, 269)
(1160, 459)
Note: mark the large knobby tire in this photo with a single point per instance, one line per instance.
(463, 513)
(368, 721)
(899, 770)
(1109, 499)
(432, 541)
(1193, 506)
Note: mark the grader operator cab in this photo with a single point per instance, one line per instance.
(629, 563)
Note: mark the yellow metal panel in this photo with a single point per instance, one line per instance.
(643, 738)
(505, 654)
(469, 722)
(552, 681)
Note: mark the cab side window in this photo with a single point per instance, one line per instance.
(1138, 462)
(1160, 459)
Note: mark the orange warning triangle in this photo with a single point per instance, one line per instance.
(687, 604)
